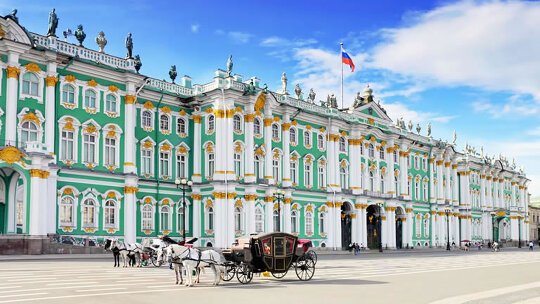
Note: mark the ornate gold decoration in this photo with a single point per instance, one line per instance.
(67, 191)
(165, 147)
(210, 148)
(182, 150)
(500, 213)
(111, 230)
(67, 229)
(148, 144)
(166, 109)
(32, 67)
(276, 118)
(2, 32)
(13, 72)
(148, 105)
(260, 102)
(90, 129)
(31, 116)
(249, 117)
(286, 126)
(51, 81)
(309, 208)
(371, 121)
(196, 118)
(268, 122)
(130, 190)
(35, 173)
(10, 154)
(113, 88)
(70, 78)
(129, 99)
(250, 197)
(91, 83)
(196, 196)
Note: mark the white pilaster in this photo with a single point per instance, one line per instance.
(50, 104)
(286, 165)
(129, 206)
(196, 177)
(268, 119)
(129, 130)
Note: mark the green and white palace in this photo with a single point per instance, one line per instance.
(91, 148)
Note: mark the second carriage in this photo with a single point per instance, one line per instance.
(275, 253)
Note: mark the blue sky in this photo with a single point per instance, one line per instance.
(472, 66)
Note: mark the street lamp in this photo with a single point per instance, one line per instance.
(379, 220)
(183, 184)
(279, 195)
(447, 211)
(492, 227)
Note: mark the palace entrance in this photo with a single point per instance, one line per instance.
(13, 202)
(373, 220)
(400, 217)
(346, 225)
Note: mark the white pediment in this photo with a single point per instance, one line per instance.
(9, 29)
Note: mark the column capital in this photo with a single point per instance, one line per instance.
(51, 80)
(13, 72)
(130, 99)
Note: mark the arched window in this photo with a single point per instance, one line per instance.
(238, 219)
(371, 151)
(89, 213)
(68, 144)
(322, 223)
(371, 181)
(307, 175)
(320, 141)
(294, 172)
(409, 189)
(110, 152)
(237, 123)
(383, 190)
(68, 94)
(181, 126)
(90, 99)
(275, 131)
(426, 227)
(396, 184)
(307, 138)
(257, 126)
(309, 223)
(258, 168)
(418, 225)
(164, 122)
(276, 166)
(259, 220)
(210, 125)
(66, 211)
(110, 103)
(425, 190)
(109, 212)
(30, 84)
(381, 153)
(211, 164)
(210, 218)
(342, 144)
(238, 164)
(395, 156)
(181, 165)
(180, 221)
(147, 119)
(29, 132)
(89, 145)
(416, 163)
(147, 217)
(292, 133)
(343, 177)
(164, 164)
(146, 161)
(321, 175)
(277, 222)
(165, 218)
(294, 221)
(417, 190)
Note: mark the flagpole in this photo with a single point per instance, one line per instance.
(340, 58)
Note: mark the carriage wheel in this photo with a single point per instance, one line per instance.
(313, 255)
(155, 262)
(244, 273)
(304, 268)
(279, 275)
(230, 271)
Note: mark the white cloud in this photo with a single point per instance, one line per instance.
(239, 37)
(195, 28)
(275, 41)
(515, 107)
(534, 132)
(486, 44)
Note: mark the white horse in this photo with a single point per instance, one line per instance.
(194, 260)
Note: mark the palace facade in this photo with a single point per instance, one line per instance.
(92, 148)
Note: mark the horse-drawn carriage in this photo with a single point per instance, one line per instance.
(273, 252)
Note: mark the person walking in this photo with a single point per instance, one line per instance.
(531, 245)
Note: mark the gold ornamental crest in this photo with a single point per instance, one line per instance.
(11, 155)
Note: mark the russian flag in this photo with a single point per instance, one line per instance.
(345, 58)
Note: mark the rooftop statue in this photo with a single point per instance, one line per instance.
(101, 41)
(80, 35)
(53, 23)
(311, 96)
(418, 128)
(454, 137)
(297, 91)
(172, 73)
(129, 46)
(138, 63)
(13, 16)
(229, 66)
(265, 88)
(410, 125)
(333, 101)
(357, 101)
(249, 89)
(284, 84)
(429, 130)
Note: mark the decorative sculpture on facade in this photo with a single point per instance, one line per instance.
(357, 101)
(129, 46)
(101, 41)
(229, 66)
(284, 84)
(298, 91)
(53, 23)
(429, 129)
(80, 34)
(454, 137)
(172, 73)
(13, 16)
(418, 128)
(138, 63)
(250, 89)
(410, 125)
(311, 95)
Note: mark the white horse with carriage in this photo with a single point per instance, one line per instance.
(130, 253)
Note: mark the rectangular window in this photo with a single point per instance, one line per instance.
(238, 165)
(89, 148)
(211, 165)
(322, 176)
(307, 175)
(146, 162)
(110, 151)
(181, 166)
(293, 173)
(67, 146)
(164, 163)
(275, 169)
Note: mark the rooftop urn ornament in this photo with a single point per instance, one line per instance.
(284, 84)
(129, 46)
(297, 91)
(13, 16)
(311, 95)
(172, 73)
(101, 41)
(482, 151)
(418, 128)
(429, 129)
(410, 125)
(229, 66)
(137, 63)
(454, 137)
(53, 23)
(80, 35)
(367, 94)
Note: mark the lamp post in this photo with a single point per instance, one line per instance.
(183, 184)
(492, 227)
(447, 211)
(379, 220)
(279, 196)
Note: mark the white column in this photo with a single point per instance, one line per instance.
(483, 203)
(384, 230)
(336, 164)
(337, 224)
(432, 189)
(448, 188)
(11, 99)
(50, 103)
(330, 161)
(403, 170)
(364, 167)
(514, 228)
(455, 190)
(129, 130)
(354, 159)
(268, 174)
(251, 197)
(513, 201)
(391, 185)
(35, 210)
(391, 225)
(377, 172)
(330, 222)
(364, 225)
(440, 180)
(433, 227)
(129, 207)
(51, 201)
(196, 221)
(197, 148)
(286, 174)
(269, 212)
(287, 212)
(457, 237)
